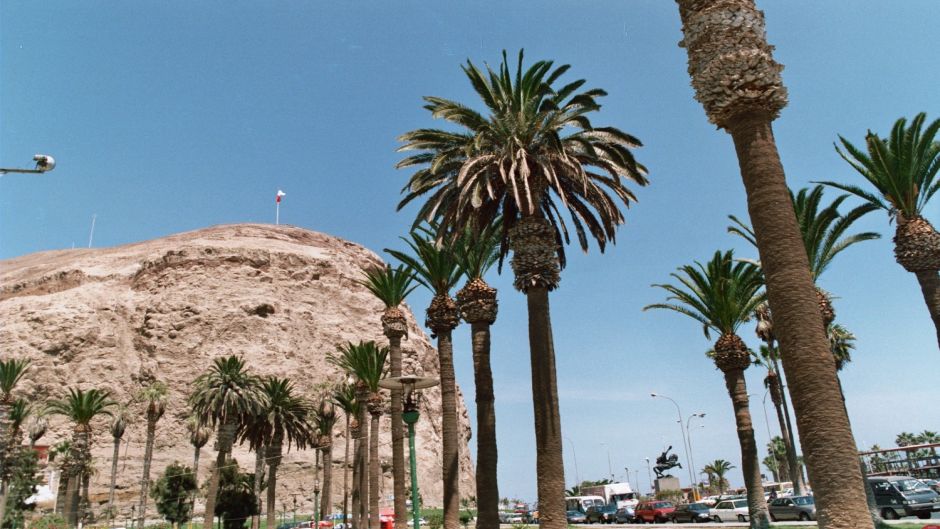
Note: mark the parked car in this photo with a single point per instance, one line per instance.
(729, 510)
(794, 508)
(601, 513)
(624, 515)
(654, 511)
(576, 517)
(933, 483)
(899, 496)
(691, 513)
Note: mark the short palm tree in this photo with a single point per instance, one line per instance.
(199, 435)
(12, 372)
(285, 414)
(80, 407)
(20, 412)
(722, 295)
(535, 153)
(345, 398)
(38, 426)
(118, 426)
(903, 170)
(324, 420)
(366, 361)
(392, 286)
(153, 396)
(718, 468)
(435, 268)
(738, 83)
(476, 251)
(222, 398)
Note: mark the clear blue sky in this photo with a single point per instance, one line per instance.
(176, 115)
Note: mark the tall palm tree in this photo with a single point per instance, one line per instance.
(222, 398)
(80, 407)
(769, 359)
(285, 414)
(12, 372)
(737, 81)
(476, 251)
(255, 431)
(366, 361)
(718, 468)
(324, 420)
(721, 296)
(345, 398)
(521, 162)
(436, 269)
(777, 448)
(903, 170)
(154, 397)
(392, 286)
(824, 233)
(118, 425)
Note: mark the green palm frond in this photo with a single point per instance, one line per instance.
(390, 285)
(476, 251)
(11, 372)
(154, 395)
(345, 398)
(283, 415)
(119, 420)
(721, 295)
(364, 360)
(19, 412)
(535, 149)
(81, 407)
(902, 168)
(226, 392)
(324, 417)
(823, 228)
(433, 265)
(841, 343)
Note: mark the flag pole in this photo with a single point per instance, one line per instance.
(277, 213)
(91, 235)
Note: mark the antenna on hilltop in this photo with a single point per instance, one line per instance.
(91, 235)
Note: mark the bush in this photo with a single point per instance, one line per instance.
(49, 521)
(435, 520)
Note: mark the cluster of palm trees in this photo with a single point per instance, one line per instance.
(537, 150)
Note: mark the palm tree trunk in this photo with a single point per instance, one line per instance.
(71, 505)
(550, 470)
(398, 435)
(487, 489)
(362, 461)
(84, 510)
(449, 430)
(326, 501)
(793, 462)
(224, 440)
(346, 478)
(756, 506)
(114, 465)
(374, 473)
(256, 489)
(930, 286)
(791, 470)
(62, 490)
(273, 455)
(145, 480)
(828, 444)
(356, 506)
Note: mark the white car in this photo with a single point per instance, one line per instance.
(729, 511)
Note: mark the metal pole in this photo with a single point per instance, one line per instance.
(649, 471)
(410, 418)
(689, 432)
(577, 474)
(770, 440)
(685, 445)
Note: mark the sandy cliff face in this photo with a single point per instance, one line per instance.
(281, 297)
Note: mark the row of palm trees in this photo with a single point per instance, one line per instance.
(537, 149)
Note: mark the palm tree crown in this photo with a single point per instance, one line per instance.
(720, 295)
(154, 395)
(517, 161)
(81, 407)
(226, 393)
(902, 168)
(433, 266)
(476, 251)
(11, 372)
(390, 285)
(823, 230)
(365, 360)
(284, 413)
(345, 398)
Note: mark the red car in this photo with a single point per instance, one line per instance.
(654, 511)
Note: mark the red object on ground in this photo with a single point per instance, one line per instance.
(932, 527)
(326, 524)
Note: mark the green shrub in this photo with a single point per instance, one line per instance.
(435, 520)
(49, 521)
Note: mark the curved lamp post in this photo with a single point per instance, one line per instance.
(685, 444)
(410, 415)
(689, 435)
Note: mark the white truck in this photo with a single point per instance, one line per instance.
(619, 494)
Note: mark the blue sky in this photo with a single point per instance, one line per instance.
(172, 116)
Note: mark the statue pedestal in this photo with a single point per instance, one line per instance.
(667, 483)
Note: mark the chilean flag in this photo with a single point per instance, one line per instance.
(280, 194)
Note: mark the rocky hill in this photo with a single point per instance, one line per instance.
(280, 296)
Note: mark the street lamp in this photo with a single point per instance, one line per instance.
(689, 434)
(627, 470)
(685, 445)
(610, 469)
(577, 474)
(770, 439)
(44, 164)
(410, 415)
